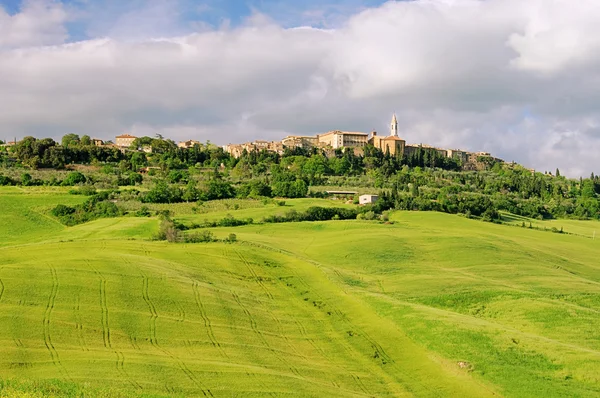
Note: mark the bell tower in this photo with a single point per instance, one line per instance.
(394, 127)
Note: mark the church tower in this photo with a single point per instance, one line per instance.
(394, 127)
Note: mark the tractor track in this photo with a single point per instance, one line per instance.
(46, 322)
(277, 321)
(106, 337)
(261, 336)
(206, 319)
(153, 313)
(79, 325)
(383, 356)
(257, 278)
(154, 341)
(360, 384)
(181, 314)
(1, 287)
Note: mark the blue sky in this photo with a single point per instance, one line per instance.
(96, 18)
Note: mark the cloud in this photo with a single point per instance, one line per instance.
(496, 75)
(38, 23)
(557, 35)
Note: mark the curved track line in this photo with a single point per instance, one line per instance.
(1, 288)
(257, 278)
(120, 360)
(261, 336)
(46, 321)
(79, 325)
(383, 356)
(206, 319)
(154, 341)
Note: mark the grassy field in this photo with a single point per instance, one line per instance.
(431, 305)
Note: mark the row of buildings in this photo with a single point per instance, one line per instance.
(392, 144)
(333, 140)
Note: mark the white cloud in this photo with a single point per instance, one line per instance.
(38, 23)
(510, 77)
(558, 34)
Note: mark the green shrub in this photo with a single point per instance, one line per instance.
(26, 179)
(232, 238)
(4, 180)
(74, 178)
(85, 190)
(97, 206)
(167, 231)
(143, 212)
(62, 210)
(199, 237)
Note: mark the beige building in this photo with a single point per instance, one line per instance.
(343, 139)
(300, 141)
(236, 150)
(367, 199)
(97, 142)
(391, 143)
(124, 140)
(462, 156)
(188, 144)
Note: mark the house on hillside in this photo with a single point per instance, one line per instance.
(367, 199)
(188, 144)
(124, 140)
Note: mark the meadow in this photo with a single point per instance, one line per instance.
(429, 304)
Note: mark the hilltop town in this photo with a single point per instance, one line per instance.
(329, 143)
(357, 141)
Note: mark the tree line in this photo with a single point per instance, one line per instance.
(425, 180)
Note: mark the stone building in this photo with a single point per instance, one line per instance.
(236, 150)
(391, 143)
(343, 139)
(188, 144)
(300, 141)
(462, 156)
(124, 140)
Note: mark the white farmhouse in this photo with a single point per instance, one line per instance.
(367, 199)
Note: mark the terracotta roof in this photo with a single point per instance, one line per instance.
(344, 133)
(125, 136)
(392, 138)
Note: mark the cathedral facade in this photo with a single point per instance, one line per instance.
(391, 144)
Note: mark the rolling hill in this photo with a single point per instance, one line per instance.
(429, 305)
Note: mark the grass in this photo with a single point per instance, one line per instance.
(433, 305)
(589, 229)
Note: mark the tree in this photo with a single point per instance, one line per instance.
(162, 193)
(74, 178)
(219, 189)
(70, 139)
(26, 179)
(86, 140)
(414, 190)
(557, 172)
(191, 193)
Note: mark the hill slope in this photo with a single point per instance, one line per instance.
(434, 305)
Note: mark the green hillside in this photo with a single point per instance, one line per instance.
(429, 305)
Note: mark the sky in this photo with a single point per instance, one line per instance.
(519, 79)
